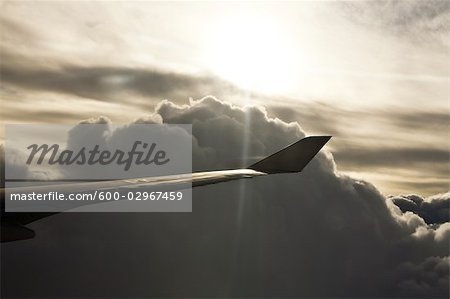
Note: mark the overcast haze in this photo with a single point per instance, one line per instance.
(369, 217)
(375, 75)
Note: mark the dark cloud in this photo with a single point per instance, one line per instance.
(400, 157)
(44, 116)
(420, 120)
(314, 234)
(15, 167)
(340, 119)
(425, 278)
(16, 170)
(104, 83)
(434, 209)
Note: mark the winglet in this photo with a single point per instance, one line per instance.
(292, 158)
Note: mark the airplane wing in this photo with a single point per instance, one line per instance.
(292, 158)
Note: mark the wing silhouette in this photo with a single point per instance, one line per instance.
(292, 158)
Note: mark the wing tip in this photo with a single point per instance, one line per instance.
(292, 158)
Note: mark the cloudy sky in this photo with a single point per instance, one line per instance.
(318, 234)
(375, 75)
(369, 217)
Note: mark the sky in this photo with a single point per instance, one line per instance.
(368, 217)
(372, 74)
(314, 234)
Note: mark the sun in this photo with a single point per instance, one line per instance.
(252, 52)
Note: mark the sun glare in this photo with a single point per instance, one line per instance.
(252, 52)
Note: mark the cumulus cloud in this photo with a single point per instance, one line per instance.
(16, 169)
(315, 234)
(433, 209)
(425, 278)
(174, 140)
(242, 135)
